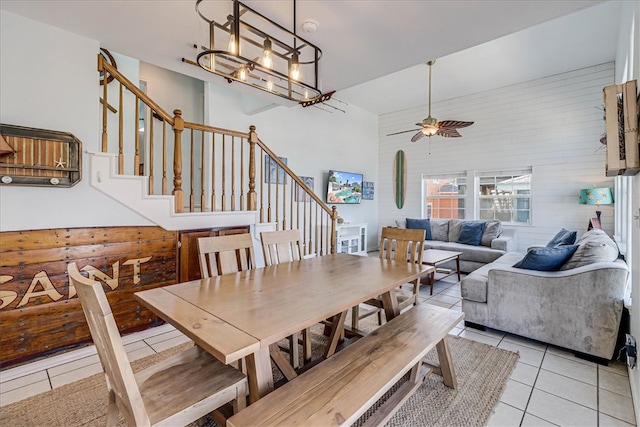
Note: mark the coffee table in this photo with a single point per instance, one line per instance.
(433, 257)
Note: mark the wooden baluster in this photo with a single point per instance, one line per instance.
(202, 173)
(178, 127)
(261, 184)
(192, 196)
(233, 173)
(291, 198)
(278, 224)
(284, 200)
(251, 195)
(136, 156)
(304, 219)
(120, 134)
(213, 172)
(318, 241)
(150, 124)
(298, 211)
(242, 141)
(268, 171)
(222, 168)
(164, 158)
(105, 137)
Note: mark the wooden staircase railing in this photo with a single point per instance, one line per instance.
(212, 169)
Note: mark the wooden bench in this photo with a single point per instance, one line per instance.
(340, 389)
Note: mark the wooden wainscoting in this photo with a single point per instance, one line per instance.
(40, 314)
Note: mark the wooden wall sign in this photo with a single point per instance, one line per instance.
(39, 157)
(622, 109)
(40, 314)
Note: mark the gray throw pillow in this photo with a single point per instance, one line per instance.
(439, 229)
(455, 225)
(492, 230)
(593, 246)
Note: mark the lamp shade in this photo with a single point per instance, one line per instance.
(596, 196)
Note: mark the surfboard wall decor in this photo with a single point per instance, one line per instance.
(399, 178)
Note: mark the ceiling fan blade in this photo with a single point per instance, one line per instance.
(448, 133)
(417, 136)
(404, 131)
(453, 124)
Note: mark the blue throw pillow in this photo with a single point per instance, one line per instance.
(420, 224)
(471, 233)
(546, 259)
(563, 237)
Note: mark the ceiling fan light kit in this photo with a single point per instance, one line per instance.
(431, 126)
(249, 48)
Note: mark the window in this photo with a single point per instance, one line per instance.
(444, 196)
(505, 196)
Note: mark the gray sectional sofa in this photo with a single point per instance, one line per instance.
(495, 242)
(577, 307)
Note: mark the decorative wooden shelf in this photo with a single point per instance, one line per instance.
(621, 122)
(39, 157)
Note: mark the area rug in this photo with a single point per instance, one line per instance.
(482, 372)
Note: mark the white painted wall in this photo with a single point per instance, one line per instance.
(313, 141)
(552, 125)
(48, 80)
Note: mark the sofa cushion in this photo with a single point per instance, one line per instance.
(546, 259)
(593, 246)
(420, 224)
(480, 254)
(440, 229)
(471, 233)
(474, 285)
(563, 237)
(401, 223)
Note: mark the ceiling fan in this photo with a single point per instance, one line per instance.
(430, 126)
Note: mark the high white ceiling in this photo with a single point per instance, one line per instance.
(373, 50)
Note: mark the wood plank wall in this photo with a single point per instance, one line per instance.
(40, 314)
(552, 125)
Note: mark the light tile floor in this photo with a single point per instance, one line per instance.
(549, 386)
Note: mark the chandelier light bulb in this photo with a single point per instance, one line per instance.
(270, 85)
(295, 67)
(232, 45)
(242, 73)
(267, 60)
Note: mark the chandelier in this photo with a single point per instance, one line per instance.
(250, 48)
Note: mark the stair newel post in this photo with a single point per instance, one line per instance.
(252, 201)
(178, 127)
(334, 219)
(104, 104)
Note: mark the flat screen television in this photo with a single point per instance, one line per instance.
(344, 187)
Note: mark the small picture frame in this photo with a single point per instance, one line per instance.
(367, 190)
(273, 174)
(301, 195)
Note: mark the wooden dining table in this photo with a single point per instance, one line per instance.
(243, 315)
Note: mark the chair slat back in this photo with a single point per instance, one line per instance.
(281, 246)
(113, 357)
(225, 254)
(401, 244)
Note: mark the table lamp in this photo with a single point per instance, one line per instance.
(596, 196)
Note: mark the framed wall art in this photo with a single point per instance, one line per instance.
(367, 190)
(301, 195)
(273, 174)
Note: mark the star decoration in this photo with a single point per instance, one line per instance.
(60, 163)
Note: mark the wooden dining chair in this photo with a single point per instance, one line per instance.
(225, 254)
(286, 246)
(397, 244)
(175, 391)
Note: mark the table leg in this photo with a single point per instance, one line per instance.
(432, 279)
(458, 265)
(446, 364)
(259, 374)
(336, 333)
(390, 304)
